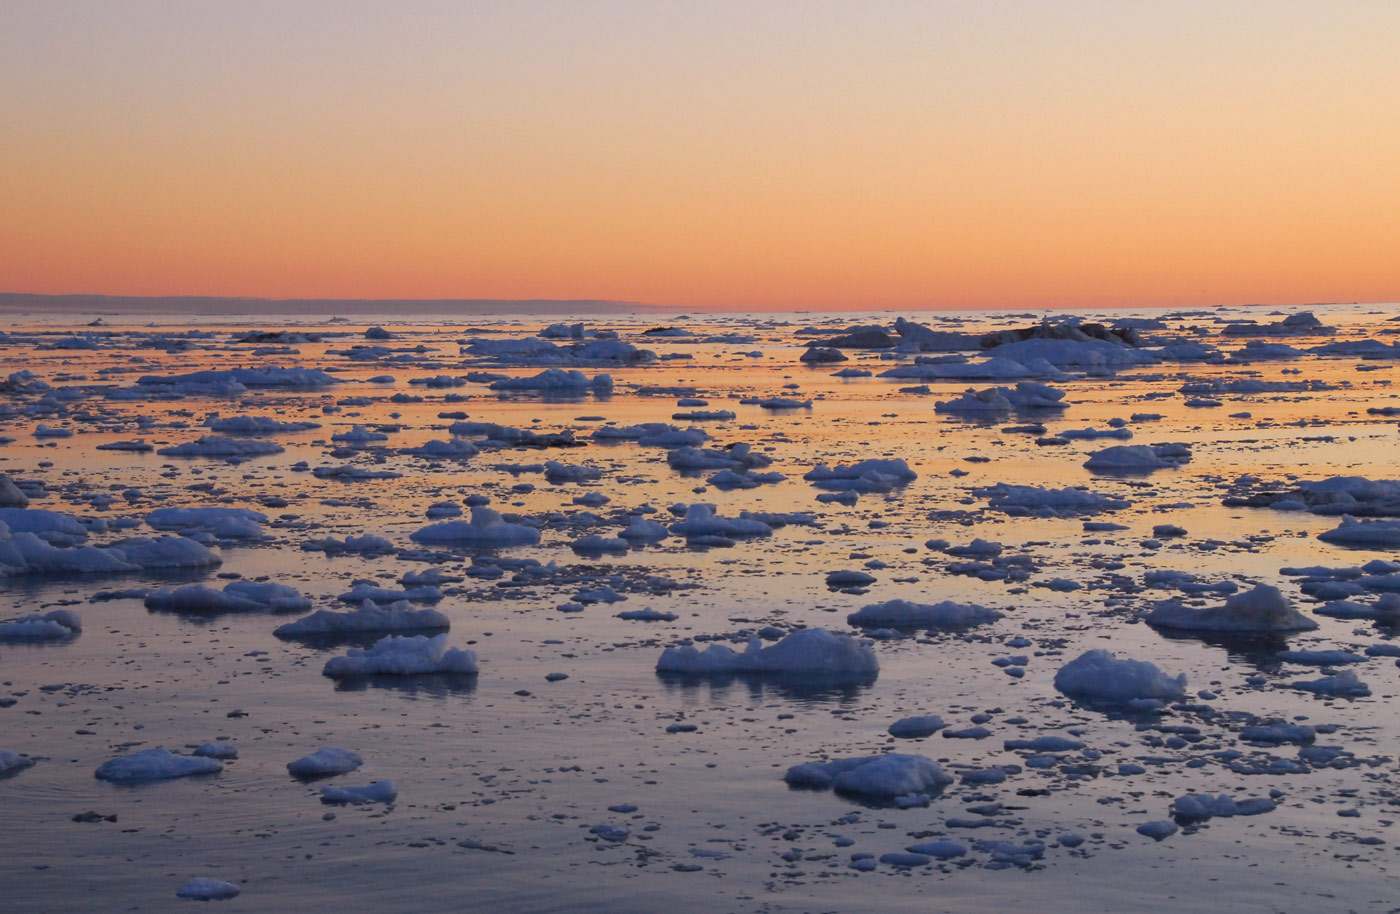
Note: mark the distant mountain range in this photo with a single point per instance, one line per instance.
(214, 305)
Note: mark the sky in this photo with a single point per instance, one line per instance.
(761, 155)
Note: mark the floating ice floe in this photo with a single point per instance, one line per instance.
(1138, 458)
(916, 727)
(325, 762)
(360, 591)
(1263, 609)
(1364, 534)
(557, 381)
(486, 529)
(1097, 676)
(450, 449)
(1035, 501)
(812, 652)
(237, 596)
(403, 655)
(873, 475)
(369, 617)
(12, 763)
(254, 425)
(883, 777)
(702, 524)
(378, 792)
(58, 625)
(739, 457)
(1344, 684)
(220, 523)
(207, 889)
(933, 616)
(365, 544)
(25, 554)
(154, 765)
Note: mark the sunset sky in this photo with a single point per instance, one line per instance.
(746, 154)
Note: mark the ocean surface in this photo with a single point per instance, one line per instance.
(617, 788)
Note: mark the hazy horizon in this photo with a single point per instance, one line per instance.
(206, 305)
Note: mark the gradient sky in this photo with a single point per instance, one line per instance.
(745, 154)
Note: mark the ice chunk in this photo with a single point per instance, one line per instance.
(1344, 684)
(701, 521)
(916, 727)
(1263, 609)
(154, 765)
(873, 475)
(237, 596)
(221, 523)
(403, 655)
(12, 763)
(1035, 501)
(206, 889)
(58, 625)
(1138, 458)
(378, 792)
(808, 652)
(935, 616)
(369, 617)
(221, 447)
(877, 776)
(486, 529)
(1199, 807)
(254, 425)
(1364, 534)
(1097, 676)
(325, 762)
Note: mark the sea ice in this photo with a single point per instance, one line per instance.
(935, 616)
(403, 655)
(58, 625)
(1097, 676)
(808, 652)
(325, 762)
(154, 765)
(378, 792)
(369, 617)
(877, 776)
(1263, 609)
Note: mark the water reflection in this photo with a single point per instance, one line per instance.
(422, 685)
(740, 688)
(1258, 649)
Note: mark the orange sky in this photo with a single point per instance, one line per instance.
(770, 155)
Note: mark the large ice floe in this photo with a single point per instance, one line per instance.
(25, 554)
(219, 523)
(880, 777)
(398, 616)
(1097, 677)
(933, 616)
(56, 625)
(702, 526)
(1036, 501)
(237, 596)
(154, 765)
(1138, 458)
(403, 655)
(812, 652)
(486, 530)
(1263, 609)
(1364, 534)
